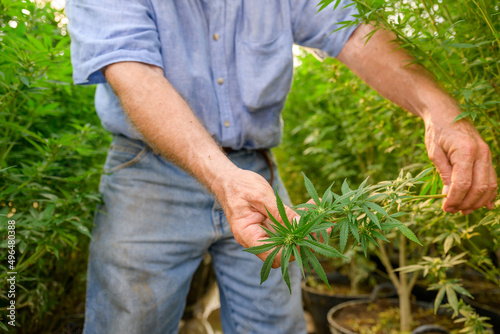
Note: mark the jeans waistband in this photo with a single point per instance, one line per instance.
(121, 140)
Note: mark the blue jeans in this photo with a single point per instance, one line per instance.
(150, 235)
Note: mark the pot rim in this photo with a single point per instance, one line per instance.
(333, 324)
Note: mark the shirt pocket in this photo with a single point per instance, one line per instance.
(120, 157)
(264, 71)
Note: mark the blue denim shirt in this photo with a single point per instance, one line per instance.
(231, 60)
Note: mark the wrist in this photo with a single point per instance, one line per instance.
(440, 111)
(218, 173)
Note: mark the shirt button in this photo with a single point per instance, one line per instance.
(220, 81)
(216, 37)
(227, 124)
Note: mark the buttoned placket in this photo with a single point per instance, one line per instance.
(220, 69)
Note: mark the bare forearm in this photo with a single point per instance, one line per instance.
(168, 124)
(388, 69)
(461, 156)
(165, 120)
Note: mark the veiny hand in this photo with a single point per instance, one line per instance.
(244, 196)
(463, 160)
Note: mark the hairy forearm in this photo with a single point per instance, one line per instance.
(462, 158)
(383, 65)
(165, 120)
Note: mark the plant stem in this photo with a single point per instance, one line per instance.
(404, 292)
(488, 21)
(384, 258)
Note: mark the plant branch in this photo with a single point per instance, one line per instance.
(384, 257)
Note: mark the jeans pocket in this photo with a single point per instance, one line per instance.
(121, 156)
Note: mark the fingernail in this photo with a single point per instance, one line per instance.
(446, 189)
(452, 209)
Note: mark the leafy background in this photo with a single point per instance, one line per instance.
(52, 146)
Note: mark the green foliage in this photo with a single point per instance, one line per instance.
(336, 127)
(353, 213)
(51, 152)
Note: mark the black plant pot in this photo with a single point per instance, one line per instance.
(320, 302)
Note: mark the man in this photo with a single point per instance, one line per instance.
(190, 78)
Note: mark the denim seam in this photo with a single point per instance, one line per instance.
(216, 221)
(223, 287)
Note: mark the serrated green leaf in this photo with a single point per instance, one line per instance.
(269, 232)
(282, 212)
(439, 299)
(408, 233)
(376, 207)
(304, 259)
(24, 80)
(371, 215)
(268, 263)
(305, 229)
(354, 230)
(82, 228)
(462, 115)
(345, 188)
(462, 291)
(305, 206)
(261, 248)
(378, 235)
(398, 214)
(311, 190)
(324, 235)
(344, 234)
(322, 249)
(327, 196)
(317, 266)
(390, 225)
(298, 259)
(448, 243)
(285, 259)
(370, 239)
(280, 229)
(452, 297)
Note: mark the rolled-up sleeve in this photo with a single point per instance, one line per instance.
(314, 29)
(109, 31)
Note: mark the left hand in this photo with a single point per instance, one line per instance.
(463, 161)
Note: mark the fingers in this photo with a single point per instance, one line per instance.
(437, 155)
(473, 179)
(490, 204)
(445, 169)
(462, 161)
(480, 192)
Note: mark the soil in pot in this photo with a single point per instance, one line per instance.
(382, 317)
(319, 299)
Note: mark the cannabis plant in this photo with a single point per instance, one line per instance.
(355, 213)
